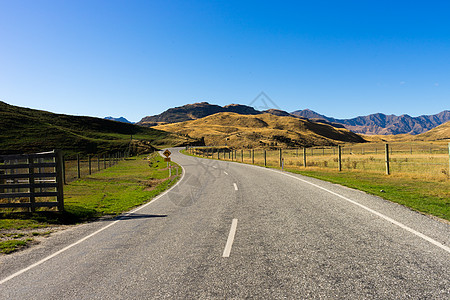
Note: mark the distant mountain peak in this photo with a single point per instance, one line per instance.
(120, 119)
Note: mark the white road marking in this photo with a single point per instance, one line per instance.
(214, 167)
(89, 236)
(235, 187)
(401, 225)
(225, 173)
(227, 250)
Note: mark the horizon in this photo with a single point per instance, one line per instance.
(131, 60)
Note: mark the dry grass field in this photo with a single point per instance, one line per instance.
(418, 160)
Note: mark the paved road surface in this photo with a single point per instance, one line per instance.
(234, 231)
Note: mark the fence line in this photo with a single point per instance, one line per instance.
(87, 165)
(399, 158)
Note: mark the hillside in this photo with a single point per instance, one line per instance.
(24, 130)
(381, 124)
(262, 130)
(440, 133)
(193, 112)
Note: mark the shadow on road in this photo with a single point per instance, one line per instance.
(139, 216)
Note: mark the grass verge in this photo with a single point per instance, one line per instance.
(110, 192)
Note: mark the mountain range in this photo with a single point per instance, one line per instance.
(381, 124)
(374, 124)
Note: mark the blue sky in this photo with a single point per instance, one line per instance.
(139, 58)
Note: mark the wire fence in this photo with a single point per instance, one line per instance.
(82, 166)
(420, 160)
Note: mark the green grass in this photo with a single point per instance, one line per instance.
(12, 245)
(110, 192)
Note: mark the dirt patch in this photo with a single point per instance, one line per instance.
(151, 184)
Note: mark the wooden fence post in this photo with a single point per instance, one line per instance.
(104, 161)
(98, 162)
(265, 159)
(63, 162)
(339, 158)
(78, 166)
(448, 160)
(387, 159)
(32, 183)
(90, 165)
(59, 179)
(281, 157)
(253, 156)
(242, 155)
(304, 157)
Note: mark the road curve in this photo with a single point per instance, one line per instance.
(230, 230)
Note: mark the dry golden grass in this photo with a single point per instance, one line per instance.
(255, 131)
(419, 161)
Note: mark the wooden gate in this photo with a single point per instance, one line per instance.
(31, 180)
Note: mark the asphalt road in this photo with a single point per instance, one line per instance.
(233, 231)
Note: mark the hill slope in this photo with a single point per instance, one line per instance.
(381, 124)
(24, 130)
(193, 112)
(262, 130)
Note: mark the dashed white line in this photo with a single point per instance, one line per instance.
(227, 250)
(225, 173)
(235, 186)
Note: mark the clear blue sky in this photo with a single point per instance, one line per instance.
(139, 58)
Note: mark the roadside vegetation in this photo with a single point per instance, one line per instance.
(107, 193)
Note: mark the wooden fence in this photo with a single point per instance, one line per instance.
(31, 180)
(415, 159)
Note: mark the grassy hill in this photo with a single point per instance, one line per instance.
(24, 130)
(263, 130)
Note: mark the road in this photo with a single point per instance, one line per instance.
(233, 231)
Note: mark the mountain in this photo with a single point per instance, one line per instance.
(260, 130)
(120, 119)
(24, 130)
(381, 124)
(193, 112)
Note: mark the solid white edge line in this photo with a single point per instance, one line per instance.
(229, 244)
(235, 186)
(401, 225)
(90, 235)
